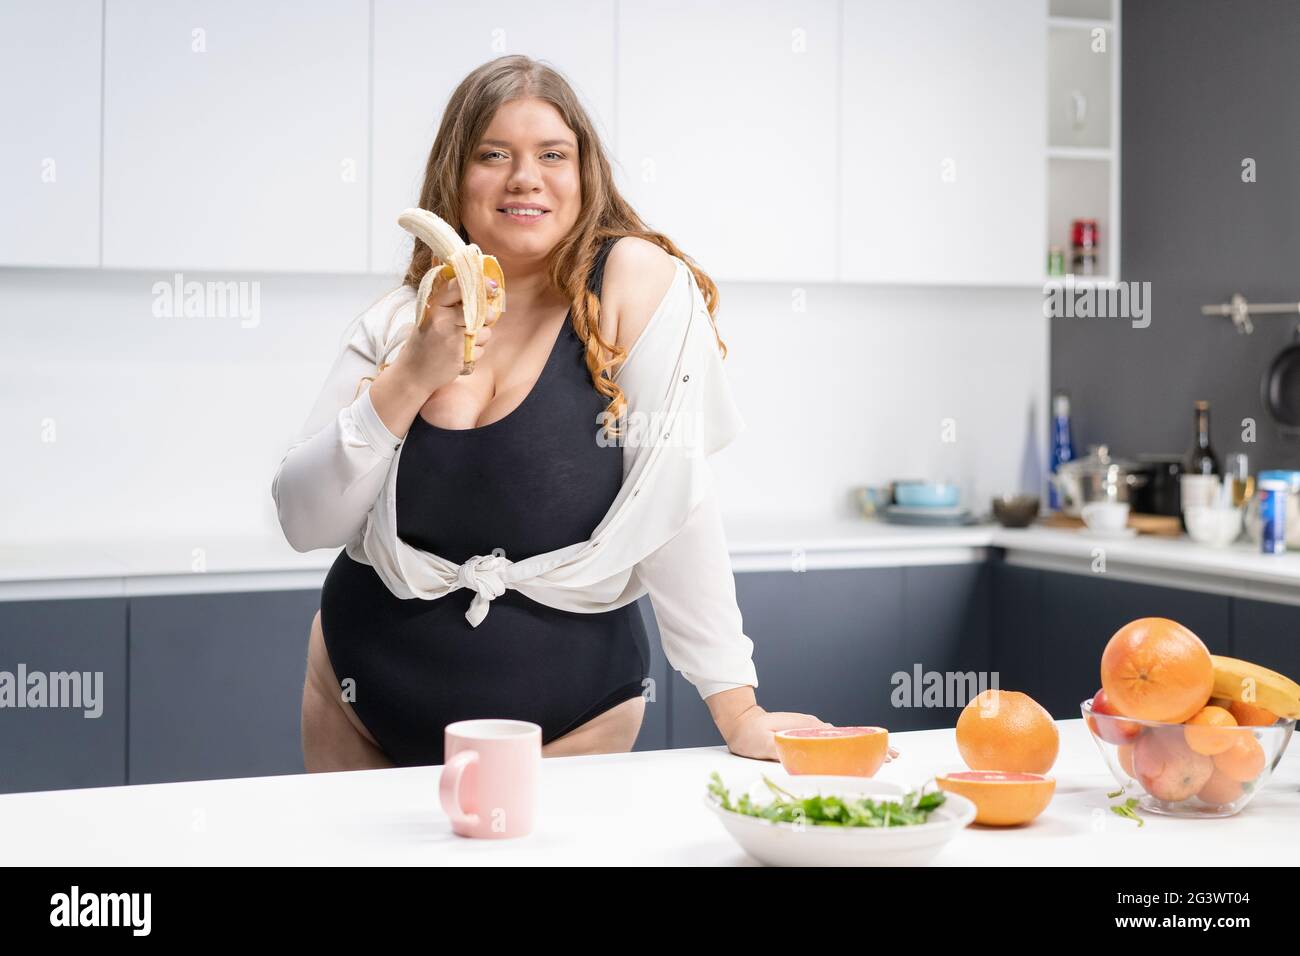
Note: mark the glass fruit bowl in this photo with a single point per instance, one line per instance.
(1187, 770)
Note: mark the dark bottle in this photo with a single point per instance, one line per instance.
(1201, 459)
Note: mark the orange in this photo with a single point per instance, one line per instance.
(1243, 761)
(1009, 731)
(1203, 734)
(1251, 715)
(1156, 669)
(842, 751)
(1001, 799)
(1221, 789)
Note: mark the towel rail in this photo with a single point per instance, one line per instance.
(1240, 311)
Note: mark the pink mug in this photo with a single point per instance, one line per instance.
(489, 781)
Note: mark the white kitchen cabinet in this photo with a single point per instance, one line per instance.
(236, 135)
(942, 171)
(49, 140)
(422, 52)
(727, 132)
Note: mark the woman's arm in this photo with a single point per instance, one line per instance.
(693, 592)
(334, 470)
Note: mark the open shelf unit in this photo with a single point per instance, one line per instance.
(1083, 129)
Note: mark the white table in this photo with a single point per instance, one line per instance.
(613, 809)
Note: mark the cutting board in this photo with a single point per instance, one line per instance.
(1163, 525)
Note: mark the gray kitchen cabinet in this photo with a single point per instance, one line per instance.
(947, 624)
(60, 747)
(203, 686)
(1266, 634)
(216, 684)
(654, 726)
(1018, 647)
(1082, 612)
(825, 642)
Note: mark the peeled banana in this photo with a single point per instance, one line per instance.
(465, 263)
(1252, 684)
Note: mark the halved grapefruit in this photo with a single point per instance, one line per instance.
(842, 751)
(1002, 799)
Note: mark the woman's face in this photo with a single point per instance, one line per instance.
(527, 157)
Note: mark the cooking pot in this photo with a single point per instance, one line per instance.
(1161, 495)
(1280, 388)
(1097, 477)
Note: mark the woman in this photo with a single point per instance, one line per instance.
(506, 460)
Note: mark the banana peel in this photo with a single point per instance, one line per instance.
(1252, 684)
(461, 261)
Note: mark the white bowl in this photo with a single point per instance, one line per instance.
(788, 844)
(1105, 516)
(1218, 527)
(1196, 491)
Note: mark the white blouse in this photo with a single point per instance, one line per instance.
(663, 534)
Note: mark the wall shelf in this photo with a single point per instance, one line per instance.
(1101, 154)
(1078, 23)
(1083, 129)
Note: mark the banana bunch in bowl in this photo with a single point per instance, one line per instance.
(1250, 683)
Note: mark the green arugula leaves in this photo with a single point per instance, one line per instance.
(832, 811)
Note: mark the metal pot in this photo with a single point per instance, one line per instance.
(1098, 477)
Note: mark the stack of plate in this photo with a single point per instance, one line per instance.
(929, 503)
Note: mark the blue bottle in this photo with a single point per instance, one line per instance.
(1062, 443)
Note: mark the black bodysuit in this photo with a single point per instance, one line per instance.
(531, 482)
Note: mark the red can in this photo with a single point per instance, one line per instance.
(1083, 234)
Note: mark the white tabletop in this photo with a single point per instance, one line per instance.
(613, 809)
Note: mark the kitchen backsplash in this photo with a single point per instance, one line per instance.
(186, 419)
(1197, 232)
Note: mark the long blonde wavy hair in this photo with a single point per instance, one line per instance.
(604, 214)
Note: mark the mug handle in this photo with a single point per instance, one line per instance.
(449, 788)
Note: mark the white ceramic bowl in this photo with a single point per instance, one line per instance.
(1200, 491)
(785, 844)
(1218, 527)
(1105, 516)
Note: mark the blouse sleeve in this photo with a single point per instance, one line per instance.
(335, 468)
(693, 592)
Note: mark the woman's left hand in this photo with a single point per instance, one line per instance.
(751, 735)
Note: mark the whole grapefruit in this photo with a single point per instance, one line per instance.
(1009, 731)
(1156, 669)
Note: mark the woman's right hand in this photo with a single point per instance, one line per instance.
(434, 355)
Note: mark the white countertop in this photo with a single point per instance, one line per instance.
(639, 809)
(204, 563)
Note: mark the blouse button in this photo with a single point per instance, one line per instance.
(686, 378)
